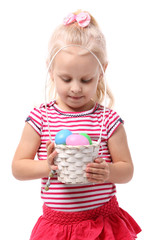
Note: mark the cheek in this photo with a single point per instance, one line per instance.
(61, 88)
(92, 89)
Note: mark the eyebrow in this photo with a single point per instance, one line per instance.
(89, 75)
(63, 74)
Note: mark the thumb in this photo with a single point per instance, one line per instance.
(99, 160)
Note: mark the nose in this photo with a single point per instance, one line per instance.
(75, 87)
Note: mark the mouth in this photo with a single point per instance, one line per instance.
(75, 97)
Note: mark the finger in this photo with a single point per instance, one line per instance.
(93, 170)
(94, 178)
(97, 166)
(51, 160)
(50, 148)
(51, 157)
(47, 144)
(54, 167)
(100, 172)
(101, 176)
(99, 160)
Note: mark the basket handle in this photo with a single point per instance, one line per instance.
(99, 140)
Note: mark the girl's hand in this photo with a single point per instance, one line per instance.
(51, 154)
(98, 172)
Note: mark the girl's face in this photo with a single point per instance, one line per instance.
(76, 75)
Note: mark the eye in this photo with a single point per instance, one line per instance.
(66, 79)
(86, 80)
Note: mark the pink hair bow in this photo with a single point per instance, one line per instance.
(83, 19)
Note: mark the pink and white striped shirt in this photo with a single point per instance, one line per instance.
(64, 197)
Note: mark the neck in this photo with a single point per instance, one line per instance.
(68, 108)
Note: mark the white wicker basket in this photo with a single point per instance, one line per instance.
(72, 160)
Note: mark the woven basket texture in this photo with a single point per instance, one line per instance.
(72, 161)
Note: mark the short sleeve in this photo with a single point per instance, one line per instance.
(113, 121)
(35, 120)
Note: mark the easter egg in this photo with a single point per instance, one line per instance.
(61, 136)
(87, 136)
(76, 140)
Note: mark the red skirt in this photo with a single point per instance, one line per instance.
(108, 222)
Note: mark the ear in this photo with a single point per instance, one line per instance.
(104, 68)
(50, 70)
(51, 74)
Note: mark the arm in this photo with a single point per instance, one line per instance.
(121, 169)
(24, 167)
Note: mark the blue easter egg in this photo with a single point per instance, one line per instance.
(61, 136)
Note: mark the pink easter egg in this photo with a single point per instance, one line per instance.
(76, 140)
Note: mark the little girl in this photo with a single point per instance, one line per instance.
(78, 211)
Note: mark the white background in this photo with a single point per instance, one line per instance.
(25, 28)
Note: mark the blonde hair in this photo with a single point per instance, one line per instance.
(90, 37)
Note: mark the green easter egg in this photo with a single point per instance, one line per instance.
(87, 136)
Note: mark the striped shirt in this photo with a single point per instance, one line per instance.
(70, 197)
